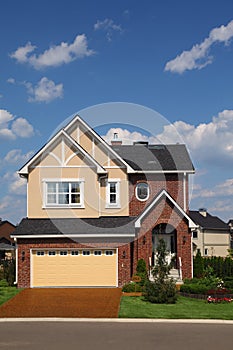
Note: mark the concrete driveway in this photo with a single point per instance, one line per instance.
(64, 302)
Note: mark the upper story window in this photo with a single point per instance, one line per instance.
(195, 234)
(142, 191)
(113, 194)
(64, 193)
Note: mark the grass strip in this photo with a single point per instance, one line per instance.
(7, 293)
(186, 308)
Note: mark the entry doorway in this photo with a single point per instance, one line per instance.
(168, 233)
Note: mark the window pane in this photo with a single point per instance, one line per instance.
(51, 187)
(112, 198)
(63, 187)
(142, 191)
(75, 187)
(112, 187)
(63, 199)
(75, 198)
(51, 198)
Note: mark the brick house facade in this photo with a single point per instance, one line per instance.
(101, 208)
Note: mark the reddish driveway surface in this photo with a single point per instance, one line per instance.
(64, 302)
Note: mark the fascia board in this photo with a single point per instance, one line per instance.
(24, 169)
(90, 235)
(78, 118)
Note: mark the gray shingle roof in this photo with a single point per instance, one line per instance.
(156, 157)
(208, 222)
(102, 225)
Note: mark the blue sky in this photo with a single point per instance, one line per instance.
(174, 57)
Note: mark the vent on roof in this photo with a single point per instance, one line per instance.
(141, 143)
(203, 212)
(157, 147)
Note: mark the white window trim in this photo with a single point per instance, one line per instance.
(52, 254)
(116, 205)
(63, 206)
(148, 192)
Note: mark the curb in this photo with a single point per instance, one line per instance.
(118, 320)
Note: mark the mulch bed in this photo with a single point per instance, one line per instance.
(64, 302)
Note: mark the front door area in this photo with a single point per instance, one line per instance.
(168, 233)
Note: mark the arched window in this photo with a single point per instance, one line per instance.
(142, 191)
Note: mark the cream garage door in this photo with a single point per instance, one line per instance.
(74, 268)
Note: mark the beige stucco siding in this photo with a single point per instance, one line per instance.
(216, 243)
(36, 192)
(48, 271)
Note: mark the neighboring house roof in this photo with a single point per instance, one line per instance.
(208, 221)
(4, 246)
(156, 158)
(117, 226)
(154, 202)
(6, 228)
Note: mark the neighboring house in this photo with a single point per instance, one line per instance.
(94, 209)
(230, 224)
(212, 237)
(7, 247)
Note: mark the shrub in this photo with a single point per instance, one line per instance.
(161, 294)
(131, 287)
(163, 289)
(142, 271)
(9, 271)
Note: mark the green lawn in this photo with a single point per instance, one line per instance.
(136, 307)
(7, 293)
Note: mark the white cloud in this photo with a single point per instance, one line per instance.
(128, 137)
(45, 91)
(11, 127)
(198, 57)
(204, 138)
(21, 54)
(15, 156)
(11, 81)
(108, 26)
(17, 185)
(22, 128)
(54, 56)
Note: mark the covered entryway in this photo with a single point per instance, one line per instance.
(168, 233)
(74, 268)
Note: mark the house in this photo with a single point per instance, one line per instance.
(7, 247)
(230, 224)
(212, 236)
(94, 209)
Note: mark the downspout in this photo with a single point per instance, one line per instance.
(184, 190)
(16, 262)
(100, 179)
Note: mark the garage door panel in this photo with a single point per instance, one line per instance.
(74, 270)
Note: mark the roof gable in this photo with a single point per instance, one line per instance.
(59, 137)
(163, 193)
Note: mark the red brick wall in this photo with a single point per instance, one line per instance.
(172, 183)
(24, 245)
(164, 212)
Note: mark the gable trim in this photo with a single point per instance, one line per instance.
(24, 170)
(101, 140)
(154, 202)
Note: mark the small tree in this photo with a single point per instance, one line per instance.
(163, 289)
(142, 271)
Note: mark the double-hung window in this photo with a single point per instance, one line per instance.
(113, 194)
(64, 193)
